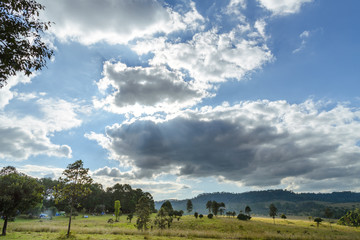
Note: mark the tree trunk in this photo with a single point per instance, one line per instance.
(5, 226)
(68, 232)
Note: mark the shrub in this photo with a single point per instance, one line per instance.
(210, 216)
(196, 215)
(283, 216)
(243, 217)
(201, 216)
(351, 218)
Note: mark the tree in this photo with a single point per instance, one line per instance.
(215, 206)
(208, 206)
(272, 211)
(247, 210)
(189, 206)
(21, 46)
(117, 207)
(351, 218)
(196, 214)
(74, 186)
(18, 193)
(143, 213)
(318, 221)
(168, 207)
(130, 217)
(243, 217)
(283, 216)
(163, 219)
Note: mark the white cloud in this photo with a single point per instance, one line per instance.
(7, 94)
(259, 143)
(211, 57)
(115, 22)
(283, 7)
(25, 136)
(145, 89)
(303, 36)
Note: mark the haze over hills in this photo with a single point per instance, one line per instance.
(287, 202)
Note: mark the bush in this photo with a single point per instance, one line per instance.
(283, 216)
(201, 216)
(196, 215)
(243, 217)
(210, 216)
(351, 218)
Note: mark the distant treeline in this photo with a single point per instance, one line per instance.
(100, 200)
(287, 202)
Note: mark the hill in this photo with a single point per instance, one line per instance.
(287, 202)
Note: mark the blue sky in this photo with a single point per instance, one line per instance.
(186, 97)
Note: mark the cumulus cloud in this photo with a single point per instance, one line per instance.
(211, 57)
(7, 93)
(145, 89)
(259, 143)
(25, 136)
(115, 22)
(283, 7)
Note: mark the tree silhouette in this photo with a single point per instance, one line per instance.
(189, 206)
(74, 186)
(18, 192)
(247, 210)
(21, 46)
(272, 211)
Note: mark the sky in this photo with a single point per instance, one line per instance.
(187, 97)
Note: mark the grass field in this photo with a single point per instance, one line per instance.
(96, 227)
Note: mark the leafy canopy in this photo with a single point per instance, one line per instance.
(18, 193)
(21, 46)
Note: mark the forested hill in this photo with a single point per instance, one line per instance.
(288, 202)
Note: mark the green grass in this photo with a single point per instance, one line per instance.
(96, 227)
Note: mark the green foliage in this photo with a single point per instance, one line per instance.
(247, 210)
(163, 220)
(143, 212)
(117, 207)
(189, 206)
(167, 207)
(351, 218)
(272, 211)
(210, 216)
(74, 186)
(130, 217)
(318, 221)
(21, 46)
(283, 216)
(18, 193)
(243, 217)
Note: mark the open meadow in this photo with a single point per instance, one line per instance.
(97, 227)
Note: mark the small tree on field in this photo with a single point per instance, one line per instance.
(283, 216)
(201, 216)
(210, 216)
(73, 187)
(247, 210)
(18, 192)
(163, 220)
(143, 212)
(196, 214)
(117, 207)
(209, 206)
(318, 221)
(272, 211)
(189, 206)
(130, 217)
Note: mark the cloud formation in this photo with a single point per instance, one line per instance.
(259, 143)
(146, 89)
(22, 137)
(115, 22)
(283, 7)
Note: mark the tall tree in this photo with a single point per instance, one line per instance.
(21, 46)
(272, 211)
(209, 205)
(143, 212)
(189, 206)
(18, 193)
(74, 186)
(247, 210)
(168, 207)
(117, 207)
